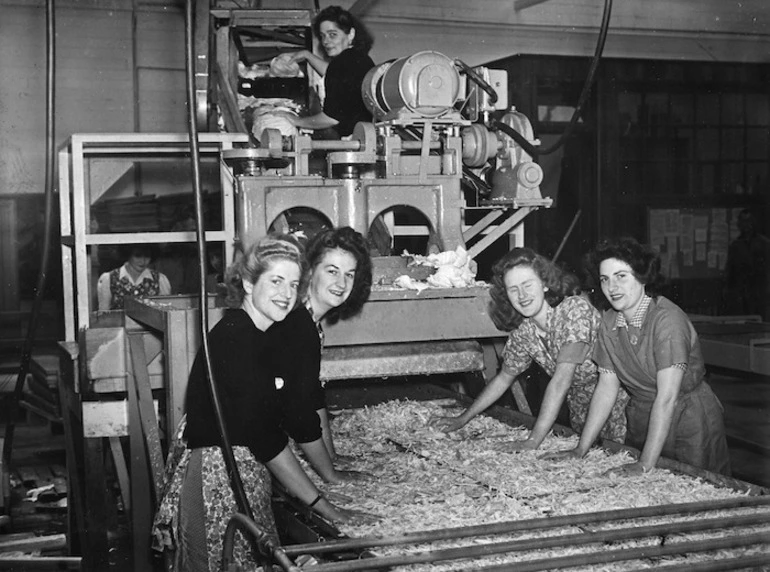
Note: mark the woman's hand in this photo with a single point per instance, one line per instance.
(349, 477)
(344, 461)
(514, 446)
(561, 455)
(447, 424)
(354, 517)
(628, 470)
(300, 56)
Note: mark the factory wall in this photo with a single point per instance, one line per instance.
(120, 63)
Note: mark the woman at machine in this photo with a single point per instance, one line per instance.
(133, 278)
(550, 324)
(339, 282)
(263, 287)
(346, 43)
(648, 346)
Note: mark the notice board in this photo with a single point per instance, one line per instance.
(692, 242)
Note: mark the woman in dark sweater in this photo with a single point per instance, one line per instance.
(346, 43)
(262, 289)
(340, 279)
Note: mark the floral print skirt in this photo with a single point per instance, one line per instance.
(578, 402)
(197, 504)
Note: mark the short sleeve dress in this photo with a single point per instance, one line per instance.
(571, 336)
(666, 337)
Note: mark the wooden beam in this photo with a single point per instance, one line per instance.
(523, 4)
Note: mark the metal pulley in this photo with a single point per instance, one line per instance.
(426, 84)
(251, 161)
(348, 164)
(516, 177)
(479, 145)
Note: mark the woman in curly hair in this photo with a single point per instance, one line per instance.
(550, 324)
(339, 282)
(647, 345)
(345, 42)
(263, 288)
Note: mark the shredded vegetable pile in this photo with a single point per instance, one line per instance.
(424, 479)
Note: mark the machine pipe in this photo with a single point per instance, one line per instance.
(634, 553)
(42, 563)
(741, 563)
(526, 525)
(573, 540)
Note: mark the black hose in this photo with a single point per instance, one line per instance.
(266, 546)
(478, 80)
(50, 142)
(526, 145)
(227, 451)
(240, 522)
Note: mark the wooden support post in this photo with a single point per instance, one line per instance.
(145, 445)
(87, 521)
(121, 471)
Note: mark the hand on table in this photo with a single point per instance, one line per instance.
(514, 446)
(446, 424)
(561, 455)
(351, 476)
(628, 470)
(344, 461)
(356, 517)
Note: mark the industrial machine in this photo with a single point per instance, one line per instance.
(433, 147)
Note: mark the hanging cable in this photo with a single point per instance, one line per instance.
(521, 140)
(266, 546)
(37, 305)
(192, 130)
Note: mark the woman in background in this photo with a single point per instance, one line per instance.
(263, 288)
(339, 281)
(550, 324)
(134, 278)
(346, 44)
(648, 346)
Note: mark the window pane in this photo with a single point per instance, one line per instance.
(733, 147)
(732, 109)
(707, 109)
(757, 112)
(707, 144)
(757, 143)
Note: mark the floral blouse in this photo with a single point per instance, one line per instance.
(572, 327)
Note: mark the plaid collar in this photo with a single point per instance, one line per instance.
(638, 319)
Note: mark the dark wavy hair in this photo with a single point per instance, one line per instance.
(643, 260)
(249, 265)
(125, 251)
(349, 240)
(346, 21)
(559, 283)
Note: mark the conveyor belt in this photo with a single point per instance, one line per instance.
(728, 533)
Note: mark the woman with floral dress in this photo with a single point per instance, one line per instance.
(197, 503)
(551, 325)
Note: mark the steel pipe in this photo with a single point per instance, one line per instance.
(633, 553)
(567, 540)
(525, 525)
